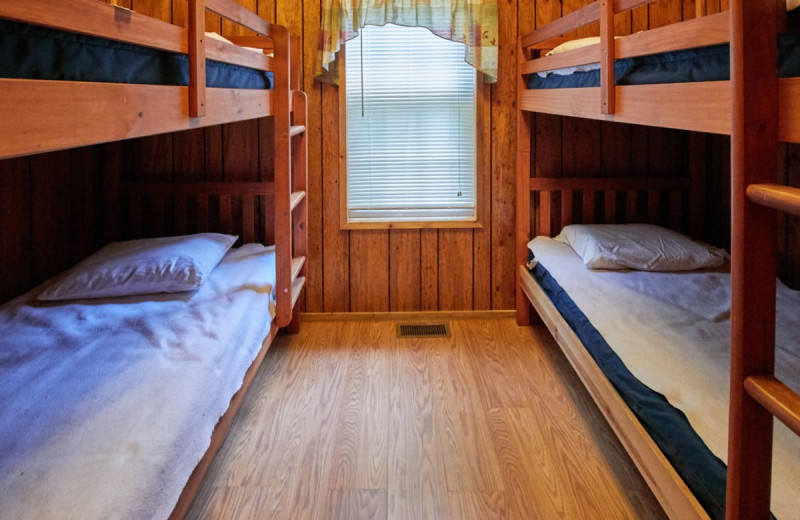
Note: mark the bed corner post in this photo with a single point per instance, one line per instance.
(523, 199)
(754, 147)
(283, 169)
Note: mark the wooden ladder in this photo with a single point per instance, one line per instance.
(291, 184)
(756, 395)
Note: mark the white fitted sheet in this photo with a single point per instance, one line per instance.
(672, 331)
(108, 405)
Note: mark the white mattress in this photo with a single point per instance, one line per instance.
(672, 331)
(108, 405)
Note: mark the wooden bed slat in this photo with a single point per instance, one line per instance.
(236, 13)
(197, 58)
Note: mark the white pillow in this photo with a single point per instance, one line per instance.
(152, 265)
(643, 247)
(575, 44)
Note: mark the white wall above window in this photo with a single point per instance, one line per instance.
(411, 128)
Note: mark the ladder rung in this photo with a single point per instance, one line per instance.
(296, 130)
(297, 288)
(775, 196)
(777, 398)
(295, 199)
(297, 265)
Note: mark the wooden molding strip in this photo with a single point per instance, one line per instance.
(609, 183)
(407, 316)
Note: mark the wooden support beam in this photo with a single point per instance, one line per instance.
(780, 400)
(197, 58)
(607, 48)
(754, 152)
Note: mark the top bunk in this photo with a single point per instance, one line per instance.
(86, 72)
(676, 76)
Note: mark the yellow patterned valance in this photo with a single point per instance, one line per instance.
(471, 22)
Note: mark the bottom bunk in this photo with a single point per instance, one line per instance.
(653, 350)
(112, 404)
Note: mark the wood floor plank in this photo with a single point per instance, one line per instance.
(417, 487)
(344, 420)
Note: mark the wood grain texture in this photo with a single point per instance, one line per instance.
(344, 420)
(404, 270)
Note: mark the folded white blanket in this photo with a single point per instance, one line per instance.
(108, 405)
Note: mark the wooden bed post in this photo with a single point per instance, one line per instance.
(607, 52)
(283, 169)
(754, 146)
(523, 210)
(197, 58)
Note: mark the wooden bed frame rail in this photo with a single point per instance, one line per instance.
(40, 116)
(697, 106)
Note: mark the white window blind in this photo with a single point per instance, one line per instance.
(411, 127)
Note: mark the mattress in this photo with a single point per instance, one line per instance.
(34, 52)
(700, 64)
(108, 405)
(662, 339)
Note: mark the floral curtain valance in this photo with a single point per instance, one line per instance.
(471, 22)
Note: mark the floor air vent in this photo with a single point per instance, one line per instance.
(423, 330)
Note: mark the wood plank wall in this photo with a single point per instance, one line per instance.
(57, 208)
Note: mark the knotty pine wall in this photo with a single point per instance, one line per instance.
(57, 208)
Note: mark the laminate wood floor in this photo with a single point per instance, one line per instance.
(346, 421)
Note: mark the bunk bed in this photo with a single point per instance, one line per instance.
(757, 104)
(42, 111)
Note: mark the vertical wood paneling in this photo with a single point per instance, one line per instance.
(314, 286)
(51, 212)
(429, 269)
(404, 270)
(16, 274)
(335, 254)
(504, 151)
(455, 269)
(369, 271)
(84, 197)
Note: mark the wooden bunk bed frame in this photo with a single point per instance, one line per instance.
(758, 110)
(41, 116)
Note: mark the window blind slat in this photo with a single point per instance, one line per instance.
(411, 154)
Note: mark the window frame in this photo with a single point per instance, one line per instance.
(482, 163)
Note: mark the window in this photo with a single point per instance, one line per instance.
(411, 123)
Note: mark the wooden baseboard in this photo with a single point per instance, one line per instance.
(407, 316)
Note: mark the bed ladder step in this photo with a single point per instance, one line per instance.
(777, 398)
(297, 265)
(296, 130)
(295, 199)
(775, 196)
(297, 288)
